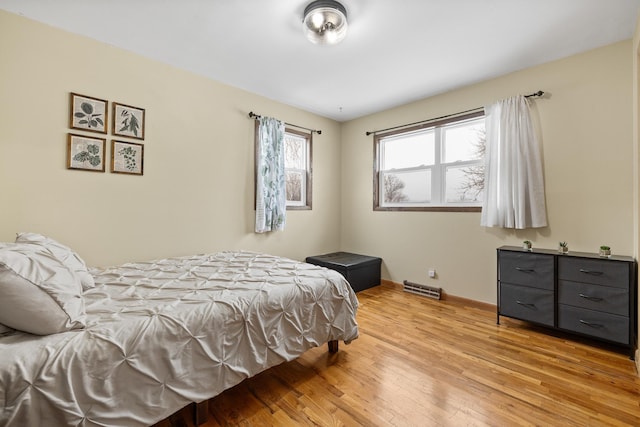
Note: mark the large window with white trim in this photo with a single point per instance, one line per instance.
(438, 166)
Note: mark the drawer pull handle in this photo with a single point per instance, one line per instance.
(592, 325)
(526, 304)
(592, 272)
(590, 298)
(525, 270)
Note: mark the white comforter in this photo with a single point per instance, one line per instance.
(163, 334)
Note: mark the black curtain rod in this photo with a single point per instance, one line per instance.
(253, 115)
(531, 95)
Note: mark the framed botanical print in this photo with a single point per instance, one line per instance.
(85, 153)
(127, 157)
(128, 121)
(88, 113)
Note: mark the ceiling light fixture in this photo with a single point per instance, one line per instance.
(325, 22)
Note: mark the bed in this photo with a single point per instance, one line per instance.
(143, 340)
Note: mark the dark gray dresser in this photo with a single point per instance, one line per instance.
(577, 292)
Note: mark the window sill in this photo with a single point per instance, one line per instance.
(430, 209)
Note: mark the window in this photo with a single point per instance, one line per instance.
(439, 166)
(297, 164)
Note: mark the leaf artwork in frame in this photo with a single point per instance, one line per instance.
(127, 157)
(88, 113)
(128, 121)
(86, 153)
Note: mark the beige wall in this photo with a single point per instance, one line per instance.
(197, 190)
(587, 144)
(196, 193)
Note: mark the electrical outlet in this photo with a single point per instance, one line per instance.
(432, 273)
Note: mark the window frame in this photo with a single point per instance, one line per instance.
(378, 137)
(308, 136)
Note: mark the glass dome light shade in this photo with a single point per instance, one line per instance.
(325, 22)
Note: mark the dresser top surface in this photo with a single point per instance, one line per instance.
(568, 254)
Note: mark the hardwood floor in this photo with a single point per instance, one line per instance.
(422, 362)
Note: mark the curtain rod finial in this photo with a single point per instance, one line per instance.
(538, 94)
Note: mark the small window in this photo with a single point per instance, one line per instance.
(297, 164)
(439, 166)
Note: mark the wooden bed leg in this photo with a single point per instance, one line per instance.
(200, 412)
(333, 346)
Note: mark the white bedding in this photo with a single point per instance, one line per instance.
(162, 334)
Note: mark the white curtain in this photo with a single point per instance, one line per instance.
(514, 185)
(271, 198)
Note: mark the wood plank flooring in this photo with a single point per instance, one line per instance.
(422, 362)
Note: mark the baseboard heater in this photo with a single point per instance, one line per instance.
(424, 290)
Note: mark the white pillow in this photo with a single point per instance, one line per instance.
(68, 257)
(38, 293)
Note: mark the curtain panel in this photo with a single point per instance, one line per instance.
(271, 198)
(514, 184)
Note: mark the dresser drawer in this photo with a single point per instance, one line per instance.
(595, 323)
(525, 303)
(598, 272)
(594, 297)
(534, 270)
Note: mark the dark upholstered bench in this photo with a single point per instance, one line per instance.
(361, 271)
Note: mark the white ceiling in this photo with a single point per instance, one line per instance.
(395, 51)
